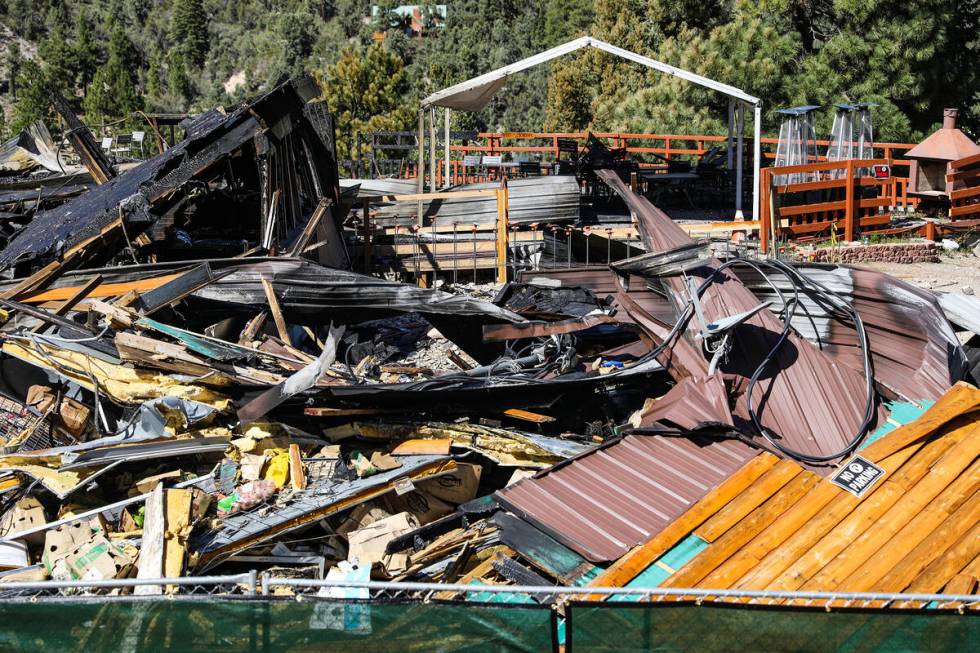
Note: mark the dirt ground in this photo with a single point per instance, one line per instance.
(957, 272)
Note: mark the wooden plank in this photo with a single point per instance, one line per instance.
(948, 452)
(311, 226)
(630, 565)
(694, 572)
(528, 416)
(297, 476)
(930, 547)
(502, 232)
(177, 528)
(946, 566)
(772, 536)
(769, 484)
(270, 296)
(150, 561)
(837, 506)
(101, 291)
(961, 399)
(962, 584)
(424, 197)
(915, 514)
(70, 303)
(53, 270)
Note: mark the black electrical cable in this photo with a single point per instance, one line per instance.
(798, 280)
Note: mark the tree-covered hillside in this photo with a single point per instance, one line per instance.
(112, 57)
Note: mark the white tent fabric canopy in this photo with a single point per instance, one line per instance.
(474, 94)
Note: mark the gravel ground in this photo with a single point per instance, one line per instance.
(958, 272)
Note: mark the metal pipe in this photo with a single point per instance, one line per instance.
(447, 182)
(756, 161)
(740, 161)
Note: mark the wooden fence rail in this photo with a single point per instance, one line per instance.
(841, 196)
(964, 196)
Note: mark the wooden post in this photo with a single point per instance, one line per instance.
(930, 230)
(367, 244)
(849, 203)
(502, 232)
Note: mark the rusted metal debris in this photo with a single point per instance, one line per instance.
(187, 347)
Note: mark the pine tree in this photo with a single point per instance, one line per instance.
(113, 90)
(189, 29)
(154, 87)
(14, 62)
(367, 91)
(58, 59)
(32, 99)
(86, 51)
(178, 84)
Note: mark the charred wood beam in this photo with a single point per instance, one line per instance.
(92, 156)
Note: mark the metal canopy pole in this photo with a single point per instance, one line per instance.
(756, 160)
(447, 182)
(421, 167)
(731, 130)
(740, 161)
(433, 164)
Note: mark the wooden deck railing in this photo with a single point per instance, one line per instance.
(964, 180)
(837, 197)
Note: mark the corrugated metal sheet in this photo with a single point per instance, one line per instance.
(614, 497)
(812, 404)
(534, 199)
(916, 353)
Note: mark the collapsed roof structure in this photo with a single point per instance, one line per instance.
(187, 347)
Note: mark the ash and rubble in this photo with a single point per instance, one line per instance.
(178, 403)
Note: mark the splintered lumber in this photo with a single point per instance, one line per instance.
(270, 296)
(961, 399)
(297, 477)
(639, 558)
(116, 316)
(769, 484)
(54, 269)
(101, 291)
(691, 574)
(307, 234)
(91, 155)
(252, 328)
(81, 294)
(177, 527)
(152, 547)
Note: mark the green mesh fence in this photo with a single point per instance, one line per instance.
(223, 626)
(592, 628)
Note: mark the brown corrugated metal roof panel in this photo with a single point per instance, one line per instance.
(614, 497)
(695, 402)
(916, 352)
(804, 398)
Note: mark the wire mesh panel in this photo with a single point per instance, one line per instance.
(207, 626)
(666, 626)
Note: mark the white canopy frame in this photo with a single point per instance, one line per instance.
(476, 93)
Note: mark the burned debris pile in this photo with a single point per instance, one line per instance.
(195, 381)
